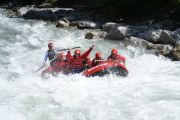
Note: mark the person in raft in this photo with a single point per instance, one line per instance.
(50, 54)
(76, 61)
(61, 64)
(98, 59)
(116, 57)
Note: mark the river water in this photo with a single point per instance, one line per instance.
(150, 92)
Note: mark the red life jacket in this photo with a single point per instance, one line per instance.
(60, 66)
(77, 62)
(117, 58)
(95, 63)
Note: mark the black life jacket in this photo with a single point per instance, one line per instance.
(51, 54)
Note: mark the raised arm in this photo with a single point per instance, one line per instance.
(84, 55)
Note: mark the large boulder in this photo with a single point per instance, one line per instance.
(160, 49)
(176, 52)
(62, 24)
(84, 24)
(23, 10)
(102, 34)
(91, 35)
(31, 14)
(108, 26)
(150, 35)
(136, 42)
(117, 33)
(166, 37)
(39, 14)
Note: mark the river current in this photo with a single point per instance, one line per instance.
(150, 92)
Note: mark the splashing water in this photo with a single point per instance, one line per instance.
(151, 91)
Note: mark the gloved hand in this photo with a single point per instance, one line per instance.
(92, 46)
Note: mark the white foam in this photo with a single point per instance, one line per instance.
(151, 90)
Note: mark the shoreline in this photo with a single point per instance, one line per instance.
(147, 34)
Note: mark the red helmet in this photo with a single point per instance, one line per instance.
(50, 45)
(77, 52)
(61, 56)
(114, 51)
(98, 55)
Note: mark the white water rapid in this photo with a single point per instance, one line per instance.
(150, 92)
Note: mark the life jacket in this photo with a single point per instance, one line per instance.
(60, 66)
(51, 54)
(77, 62)
(95, 63)
(117, 58)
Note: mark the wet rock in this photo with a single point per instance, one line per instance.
(31, 14)
(151, 35)
(160, 49)
(176, 52)
(41, 14)
(91, 35)
(166, 37)
(108, 26)
(84, 24)
(62, 13)
(23, 10)
(45, 5)
(12, 13)
(136, 30)
(117, 33)
(136, 42)
(62, 24)
(103, 34)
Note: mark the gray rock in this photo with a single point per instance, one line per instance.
(151, 35)
(176, 52)
(103, 35)
(45, 5)
(92, 35)
(166, 38)
(12, 13)
(136, 42)
(84, 24)
(136, 30)
(23, 10)
(117, 33)
(39, 14)
(108, 26)
(62, 24)
(178, 31)
(160, 49)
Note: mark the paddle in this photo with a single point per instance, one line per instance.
(100, 60)
(40, 68)
(68, 48)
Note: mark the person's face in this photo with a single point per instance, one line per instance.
(76, 55)
(113, 54)
(50, 47)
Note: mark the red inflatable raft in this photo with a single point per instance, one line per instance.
(108, 67)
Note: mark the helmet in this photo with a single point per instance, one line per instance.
(98, 55)
(77, 52)
(61, 56)
(50, 45)
(114, 51)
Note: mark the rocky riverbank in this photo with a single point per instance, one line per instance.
(154, 36)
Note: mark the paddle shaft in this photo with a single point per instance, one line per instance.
(39, 68)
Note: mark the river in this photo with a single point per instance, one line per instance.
(150, 92)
